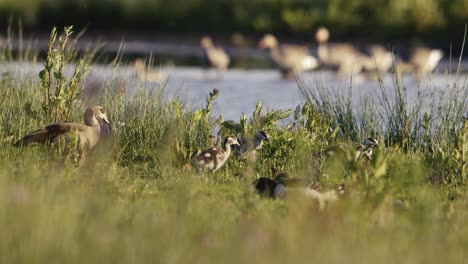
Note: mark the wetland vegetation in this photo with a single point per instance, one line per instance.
(136, 200)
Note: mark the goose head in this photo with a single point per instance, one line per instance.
(268, 42)
(260, 136)
(96, 115)
(206, 42)
(229, 141)
(370, 143)
(322, 35)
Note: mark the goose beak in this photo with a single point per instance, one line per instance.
(106, 120)
(267, 140)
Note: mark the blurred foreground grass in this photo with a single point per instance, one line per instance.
(135, 201)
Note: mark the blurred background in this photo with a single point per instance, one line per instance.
(170, 31)
(439, 23)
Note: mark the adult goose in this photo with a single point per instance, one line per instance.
(86, 135)
(214, 57)
(214, 158)
(421, 61)
(288, 58)
(377, 59)
(343, 57)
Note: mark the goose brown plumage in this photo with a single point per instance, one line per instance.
(288, 58)
(88, 135)
(342, 56)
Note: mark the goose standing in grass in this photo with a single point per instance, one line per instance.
(86, 135)
(214, 57)
(422, 61)
(249, 146)
(343, 57)
(288, 58)
(214, 158)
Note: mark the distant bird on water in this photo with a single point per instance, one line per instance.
(214, 57)
(290, 59)
(422, 61)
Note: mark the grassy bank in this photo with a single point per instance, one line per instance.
(136, 200)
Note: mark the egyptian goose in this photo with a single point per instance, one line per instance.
(288, 58)
(88, 135)
(341, 56)
(249, 146)
(378, 59)
(214, 158)
(422, 61)
(214, 57)
(365, 149)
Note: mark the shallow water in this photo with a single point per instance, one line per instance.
(240, 90)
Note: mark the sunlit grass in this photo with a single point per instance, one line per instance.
(135, 200)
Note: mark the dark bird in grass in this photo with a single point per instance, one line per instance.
(249, 146)
(271, 188)
(278, 187)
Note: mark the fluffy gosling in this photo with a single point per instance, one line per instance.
(214, 158)
(249, 146)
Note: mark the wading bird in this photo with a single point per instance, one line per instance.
(214, 57)
(288, 58)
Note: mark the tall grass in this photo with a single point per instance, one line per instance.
(137, 201)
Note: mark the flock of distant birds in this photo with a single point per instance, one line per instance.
(345, 58)
(96, 127)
